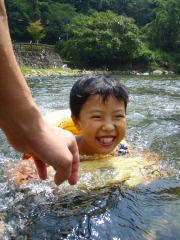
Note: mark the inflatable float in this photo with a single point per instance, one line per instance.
(98, 171)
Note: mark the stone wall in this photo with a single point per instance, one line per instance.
(44, 59)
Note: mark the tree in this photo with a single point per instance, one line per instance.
(18, 19)
(83, 6)
(36, 30)
(163, 32)
(102, 39)
(143, 11)
(59, 16)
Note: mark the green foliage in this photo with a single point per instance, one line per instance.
(26, 70)
(167, 60)
(84, 6)
(103, 42)
(163, 59)
(164, 32)
(59, 16)
(158, 58)
(18, 18)
(36, 31)
(143, 11)
(102, 39)
(145, 56)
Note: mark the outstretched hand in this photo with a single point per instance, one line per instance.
(57, 148)
(51, 146)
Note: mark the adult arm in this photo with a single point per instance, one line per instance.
(22, 123)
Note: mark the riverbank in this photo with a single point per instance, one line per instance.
(30, 72)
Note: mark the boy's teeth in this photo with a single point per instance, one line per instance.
(106, 140)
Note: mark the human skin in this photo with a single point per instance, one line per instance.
(22, 123)
(103, 125)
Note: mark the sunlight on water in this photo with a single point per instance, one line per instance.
(150, 210)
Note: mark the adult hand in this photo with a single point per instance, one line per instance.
(58, 148)
(47, 145)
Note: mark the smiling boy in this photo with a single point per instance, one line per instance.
(98, 108)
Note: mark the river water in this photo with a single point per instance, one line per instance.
(43, 211)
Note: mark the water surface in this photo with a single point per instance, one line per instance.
(43, 211)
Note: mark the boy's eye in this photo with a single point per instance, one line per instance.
(96, 117)
(119, 116)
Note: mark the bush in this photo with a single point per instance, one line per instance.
(165, 60)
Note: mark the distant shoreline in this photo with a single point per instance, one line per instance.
(30, 72)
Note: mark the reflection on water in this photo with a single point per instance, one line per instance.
(43, 211)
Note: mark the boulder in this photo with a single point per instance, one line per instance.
(157, 72)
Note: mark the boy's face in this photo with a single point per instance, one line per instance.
(103, 125)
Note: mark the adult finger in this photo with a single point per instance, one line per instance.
(75, 165)
(41, 168)
(63, 172)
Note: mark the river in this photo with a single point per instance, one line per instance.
(41, 210)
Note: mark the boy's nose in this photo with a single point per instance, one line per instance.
(108, 127)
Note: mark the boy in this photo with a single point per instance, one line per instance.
(98, 108)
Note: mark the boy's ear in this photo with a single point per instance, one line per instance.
(76, 122)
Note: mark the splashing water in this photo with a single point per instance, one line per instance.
(41, 210)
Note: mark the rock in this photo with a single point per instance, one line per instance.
(157, 72)
(34, 72)
(171, 72)
(134, 72)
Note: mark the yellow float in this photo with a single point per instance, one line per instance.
(99, 171)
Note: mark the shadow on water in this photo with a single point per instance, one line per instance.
(147, 211)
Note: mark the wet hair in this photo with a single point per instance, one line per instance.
(102, 85)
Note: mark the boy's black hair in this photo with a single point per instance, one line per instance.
(101, 84)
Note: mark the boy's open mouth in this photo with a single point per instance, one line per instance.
(106, 141)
